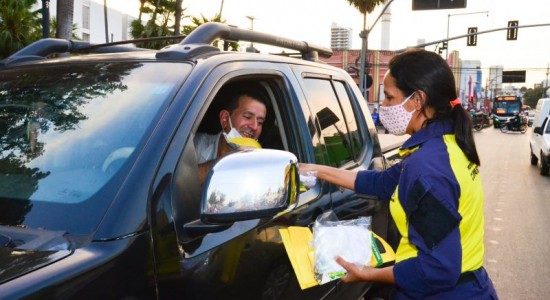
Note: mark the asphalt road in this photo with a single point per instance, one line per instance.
(517, 216)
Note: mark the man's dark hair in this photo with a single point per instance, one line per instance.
(232, 92)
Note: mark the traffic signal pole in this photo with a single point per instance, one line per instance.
(467, 35)
(448, 22)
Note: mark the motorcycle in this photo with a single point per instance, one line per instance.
(517, 123)
(496, 121)
(480, 120)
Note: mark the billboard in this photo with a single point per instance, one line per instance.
(513, 76)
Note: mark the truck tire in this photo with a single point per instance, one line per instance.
(534, 159)
(544, 166)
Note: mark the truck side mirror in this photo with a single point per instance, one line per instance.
(250, 184)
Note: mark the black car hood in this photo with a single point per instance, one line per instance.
(15, 262)
(23, 250)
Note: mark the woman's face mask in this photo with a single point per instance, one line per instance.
(396, 118)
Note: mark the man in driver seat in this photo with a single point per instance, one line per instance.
(241, 118)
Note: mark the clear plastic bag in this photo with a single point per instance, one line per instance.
(349, 239)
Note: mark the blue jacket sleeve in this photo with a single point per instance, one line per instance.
(381, 184)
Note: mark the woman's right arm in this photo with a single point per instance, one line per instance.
(339, 177)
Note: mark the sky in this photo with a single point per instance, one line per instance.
(311, 20)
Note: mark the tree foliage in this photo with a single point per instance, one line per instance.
(162, 14)
(196, 22)
(531, 96)
(163, 22)
(19, 26)
(365, 7)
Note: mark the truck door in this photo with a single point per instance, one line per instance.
(343, 128)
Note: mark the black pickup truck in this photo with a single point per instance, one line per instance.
(99, 189)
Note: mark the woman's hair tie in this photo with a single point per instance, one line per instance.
(455, 102)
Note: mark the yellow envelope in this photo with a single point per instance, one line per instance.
(297, 242)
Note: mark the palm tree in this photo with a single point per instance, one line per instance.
(177, 17)
(234, 46)
(65, 10)
(19, 26)
(364, 7)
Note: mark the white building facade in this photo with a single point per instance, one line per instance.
(89, 18)
(340, 37)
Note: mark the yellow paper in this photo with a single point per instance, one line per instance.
(297, 244)
(297, 241)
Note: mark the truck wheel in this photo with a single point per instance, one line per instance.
(544, 167)
(534, 159)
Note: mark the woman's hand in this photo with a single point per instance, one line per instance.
(304, 168)
(365, 273)
(340, 177)
(354, 272)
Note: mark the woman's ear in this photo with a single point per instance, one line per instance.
(420, 98)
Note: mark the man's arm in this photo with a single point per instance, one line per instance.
(204, 168)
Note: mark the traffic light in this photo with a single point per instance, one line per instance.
(512, 33)
(472, 38)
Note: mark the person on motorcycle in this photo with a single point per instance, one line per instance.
(516, 120)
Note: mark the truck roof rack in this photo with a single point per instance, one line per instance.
(43, 48)
(200, 39)
(196, 43)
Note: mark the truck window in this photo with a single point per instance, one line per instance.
(188, 177)
(547, 126)
(337, 123)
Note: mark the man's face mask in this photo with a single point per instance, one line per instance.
(235, 140)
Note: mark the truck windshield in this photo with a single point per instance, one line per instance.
(68, 131)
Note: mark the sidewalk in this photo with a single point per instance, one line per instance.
(389, 141)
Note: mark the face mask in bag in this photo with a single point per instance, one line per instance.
(396, 118)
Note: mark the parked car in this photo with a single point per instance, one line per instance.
(540, 140)
(100, 196)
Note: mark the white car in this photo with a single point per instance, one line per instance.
(540, 147)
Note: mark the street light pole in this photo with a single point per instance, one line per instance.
(251, 18)
(364, 47)
(449, 20)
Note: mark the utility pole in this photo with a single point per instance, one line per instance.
(251, 48)
(364, 47)
(545, 82)
(105, 9)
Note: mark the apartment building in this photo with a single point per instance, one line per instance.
(89, 17)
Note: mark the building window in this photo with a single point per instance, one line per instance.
(86, 16)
